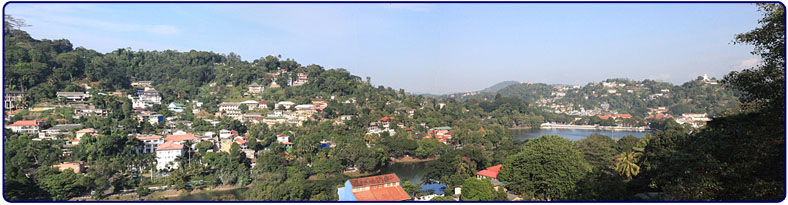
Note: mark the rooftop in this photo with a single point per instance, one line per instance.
(169, 145)
(442, 128)
(392, 193)
(148, 137)
(491, 172)
(27, 123)
(65, 127)
(395, 193)
(181, 137)
(374, 180)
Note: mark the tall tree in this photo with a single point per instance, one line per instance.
(626, 165)
(547, 167)
(479, 190)
(740, 155)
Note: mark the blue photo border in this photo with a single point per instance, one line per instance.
(373, 2)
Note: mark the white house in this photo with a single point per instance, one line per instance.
(256, 88)
(73, 96)
(225, 106)
(150, 95)
(167, 153)
(227, 134)
(301, 80)
(305, 107)
(176, 107)
(250, 104)
(151, 143)
(25, 126)
(285, 104)
(282, 138)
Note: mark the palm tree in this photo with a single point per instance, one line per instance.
(462, 167)
(625, 165)
(188, 144)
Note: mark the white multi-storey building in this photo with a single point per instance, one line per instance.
(151, 142)
(167, 153)
(151, 95)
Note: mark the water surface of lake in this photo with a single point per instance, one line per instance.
(571, 134)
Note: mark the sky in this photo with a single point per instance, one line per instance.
(436, 48)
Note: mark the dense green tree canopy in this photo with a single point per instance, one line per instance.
(547, 167)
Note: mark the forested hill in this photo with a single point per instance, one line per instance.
(42, 68)
(702, 95)
(500, 86)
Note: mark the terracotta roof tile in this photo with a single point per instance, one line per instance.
(491, 172)
(27, 123)
(179, 138)
(374, 180)
(395, 193)
(169, 145)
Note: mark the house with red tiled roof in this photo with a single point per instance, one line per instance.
(375, 188)
(660, 116)
(604, 117)
(623, 116)
(25, 126)
(167, 153)
(282, 138)
(181, 137)
(241, 141)
(441, 138)
(490, 172)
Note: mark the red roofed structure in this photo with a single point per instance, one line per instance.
(180, 138)
(490, 172)
(169, 145)
(624, 115)
(26, 123)
(379, 188)
(386, 119)
(605, 117)
(25, 126)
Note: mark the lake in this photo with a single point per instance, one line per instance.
(571, 134)
(412, 171)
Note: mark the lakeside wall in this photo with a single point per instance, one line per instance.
(591, 127)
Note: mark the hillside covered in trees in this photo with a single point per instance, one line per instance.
(738, 156)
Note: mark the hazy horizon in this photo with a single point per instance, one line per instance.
(433, 48)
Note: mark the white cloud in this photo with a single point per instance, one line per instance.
(410, 7)
(748, 63)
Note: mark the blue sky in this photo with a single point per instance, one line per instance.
(432, 48)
